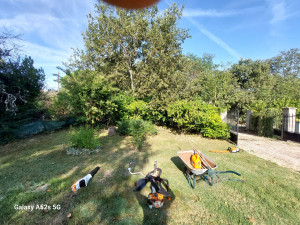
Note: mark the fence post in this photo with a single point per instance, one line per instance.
(248, 119)
(288, 120)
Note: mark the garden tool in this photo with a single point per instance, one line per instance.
(83, 182)
(158, 192)
(229, 150)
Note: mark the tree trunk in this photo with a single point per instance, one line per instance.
(131, 79)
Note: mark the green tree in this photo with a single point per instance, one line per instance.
(90, 97)
(195, 69)
(285, 68)
(255, 81)
(286, 63)
(20, 84)
(20, 81)
(161, 67)
(139, 50)
(205, 80)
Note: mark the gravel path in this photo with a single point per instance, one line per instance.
(286, 154)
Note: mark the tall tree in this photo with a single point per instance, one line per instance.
(195, 70)
(137, 49)
(20, 81)
(286, 63)
(162, 64)
(205, 80)
(255, 79)
(20, 84)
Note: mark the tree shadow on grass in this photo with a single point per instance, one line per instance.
(117, 202)
(48, 163)
(108, 198)
(154, 216)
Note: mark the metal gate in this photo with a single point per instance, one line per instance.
(232, 120)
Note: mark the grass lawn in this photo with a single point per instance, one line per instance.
(271, 194)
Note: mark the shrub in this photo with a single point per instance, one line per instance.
(263, 122)
(137, 109)
(158, 112)
(90, 97)
(83, 138)
(138, 129)
(152, 111)
(199, 117)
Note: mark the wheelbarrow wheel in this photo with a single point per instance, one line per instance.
(190, 178)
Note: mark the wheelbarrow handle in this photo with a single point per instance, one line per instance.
(228, 171)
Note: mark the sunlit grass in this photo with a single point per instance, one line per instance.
(269, 196)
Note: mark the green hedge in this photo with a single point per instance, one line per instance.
(199, 117)
(151, 111)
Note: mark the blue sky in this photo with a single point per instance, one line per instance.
(228, 29)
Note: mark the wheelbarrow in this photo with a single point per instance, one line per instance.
(206, 172)
(190, 171)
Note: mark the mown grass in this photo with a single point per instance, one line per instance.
(271, 194)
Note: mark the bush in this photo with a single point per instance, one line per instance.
(152, 111)
(138, 109)
(263, 122)
(199, 117)
(90, 97)
(83, 138)
(138, 129)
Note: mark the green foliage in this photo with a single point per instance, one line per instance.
(20, 85)
(204, 79)
(286, 63)
(20, 89)
(60, 107)
(83, 138)
(198, 116)
(138, 129)
(153, 111)
(268, 83)
(263, 122)
(158, 112)
(138, 109)
(139, 50)
(89, 96)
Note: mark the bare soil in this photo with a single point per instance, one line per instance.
(286, 154)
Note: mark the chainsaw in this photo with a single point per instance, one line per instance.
(229, 150)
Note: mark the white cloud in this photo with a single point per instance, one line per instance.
(281, 10)
(207, 13)
(44, 55)
(215, 39)
(215, 13)
(46, 58)
(278, 12)
(53, 31)
(49, 28)
(211, 36)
